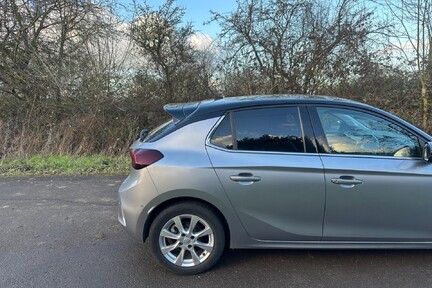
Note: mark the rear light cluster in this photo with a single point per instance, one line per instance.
(142, 158)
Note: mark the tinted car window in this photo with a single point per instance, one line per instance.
(269, 129)
(354, 132)
(222, 136)
(153, 134)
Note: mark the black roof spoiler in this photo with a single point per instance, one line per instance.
(181, 111)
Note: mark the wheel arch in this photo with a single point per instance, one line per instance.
(185, 199)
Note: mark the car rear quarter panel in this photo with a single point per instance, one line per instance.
(186, 171)
(135, 192)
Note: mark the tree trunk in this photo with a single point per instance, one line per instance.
(426, 84)
(425, 100)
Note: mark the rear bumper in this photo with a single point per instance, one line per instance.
(134, 194)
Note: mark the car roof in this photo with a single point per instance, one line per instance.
(229, 103)
(180, 111)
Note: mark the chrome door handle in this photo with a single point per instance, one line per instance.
(346, 181)
(238, 178)
(245, 178)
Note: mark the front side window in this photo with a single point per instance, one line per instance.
(354, 132)
(265, 129)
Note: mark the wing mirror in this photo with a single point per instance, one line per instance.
(427, 152)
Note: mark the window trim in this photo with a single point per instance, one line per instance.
(321, 138)
(305, 126)
(233, 131)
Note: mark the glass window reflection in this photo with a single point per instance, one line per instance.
(354, 132)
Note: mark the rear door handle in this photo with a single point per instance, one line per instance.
(346, 181)
(245, 178)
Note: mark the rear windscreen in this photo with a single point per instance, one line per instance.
(159, 130)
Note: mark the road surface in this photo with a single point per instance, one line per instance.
(63, 232)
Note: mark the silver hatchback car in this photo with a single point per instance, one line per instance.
(277, 172)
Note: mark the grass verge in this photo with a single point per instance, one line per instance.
(39, 165)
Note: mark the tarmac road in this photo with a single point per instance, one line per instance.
(63, 232)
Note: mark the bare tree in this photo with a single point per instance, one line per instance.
(22, 23)
(162, 39)
(297, 45)
(61, 72)
(412, 37)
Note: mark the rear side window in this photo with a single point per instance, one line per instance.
(222, 136)
(266, 129)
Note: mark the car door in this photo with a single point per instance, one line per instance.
(377, 186)
(269, 168)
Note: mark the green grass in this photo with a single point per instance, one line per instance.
(39, 165)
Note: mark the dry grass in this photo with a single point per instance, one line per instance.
(82, 136)
(39, 165)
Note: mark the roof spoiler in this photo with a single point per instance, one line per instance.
(181, 111)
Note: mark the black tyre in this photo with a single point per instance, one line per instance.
(187, 238)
